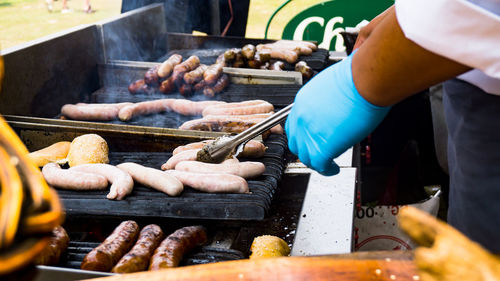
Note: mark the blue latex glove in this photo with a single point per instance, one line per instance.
(328, 117)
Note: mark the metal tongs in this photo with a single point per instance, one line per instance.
(225, 146)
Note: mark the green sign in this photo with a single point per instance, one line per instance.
(324, 22)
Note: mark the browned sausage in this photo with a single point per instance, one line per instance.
(212, 73)
(221, 84)
(252, 149)
(213, 183)
(196, 75)
(188, 65)
(284, 54)
(137, 259)
(230, 55)
(304, 69)
(109, 252)
(93, 112)
(245, 170)
(263, 55)
(145, 107)
(248, 51)
(168, 85)
(278, 129)
(295, 43)
(139, 87)
(200, 86)
(73, 180)
(186, 90)
(254, 63)
(166, 68)
(221, 59)
(187, 107)
(239, 108)
(216, 125)
(151, 77)
(277, 65)
(58, 244)
(239, 61)
(176, 245)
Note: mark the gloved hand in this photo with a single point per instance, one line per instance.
(328, 117)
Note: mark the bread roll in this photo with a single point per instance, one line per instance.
(268, 246)
(56, 152)
(88, 149)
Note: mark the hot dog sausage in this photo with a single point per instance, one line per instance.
(139, 87)
(179, 157)
(243, 169)
(239, 108)
(214, 183)
(151, 77)
(73, 180)
(109, 252)
(146, 107)
(168, 85)
(248, 51)
(153, 178)
(186, 90)
(252, 149)
(304, 69)
(187, 107)
(137, 259)
(212, 74)
(167, 66)
(221, 84)
(171, 250)
(196, 75)
(190, 64)
(58, 244)
(121, 182)
(255, 118)
(227, 126)
(93, 112)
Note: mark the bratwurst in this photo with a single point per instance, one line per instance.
(109, 252)
(73, 180)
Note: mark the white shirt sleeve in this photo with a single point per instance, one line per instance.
(456, 29)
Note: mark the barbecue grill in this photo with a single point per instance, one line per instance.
(85, 64)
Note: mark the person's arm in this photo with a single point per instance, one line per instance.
(365, 32)
(388, 67)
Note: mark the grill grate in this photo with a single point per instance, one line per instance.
(146, 202)
(78, 249)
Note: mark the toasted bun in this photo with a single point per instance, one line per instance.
(88, 149)
(268, 246)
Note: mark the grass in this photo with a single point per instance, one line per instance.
(25, 20)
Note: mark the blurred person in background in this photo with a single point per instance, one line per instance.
(408, 48)
(65, 9)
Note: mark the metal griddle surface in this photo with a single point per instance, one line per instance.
(146, 202)
(77, 250)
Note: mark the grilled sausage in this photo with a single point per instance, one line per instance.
(239, 61)
(263, 56)
(266, 65)
(137, 259)
(304, 69)
(300, 49)
(255, 64)
(289, 56)
(153, 178)
(143, 108)
(171, 250)
(306, 44)
(200, 86)
(245, 170)
(252, 149)
(73, 180)
(167, 66)
(151, 77)
(168, 85)
(256, 118)
(221, 84)
(58, 244)
(93, 112)
(179, 157)
(213, 183)
(227, 126)
(187, 107)
(212, 74)
(188, 65)
(139, 87)
(186, 90)
(230, 55)
(239, 108)
(248, 51)
(109, 252)
(277, 65)
(121, 182)
(220, 59)
(196, 75)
